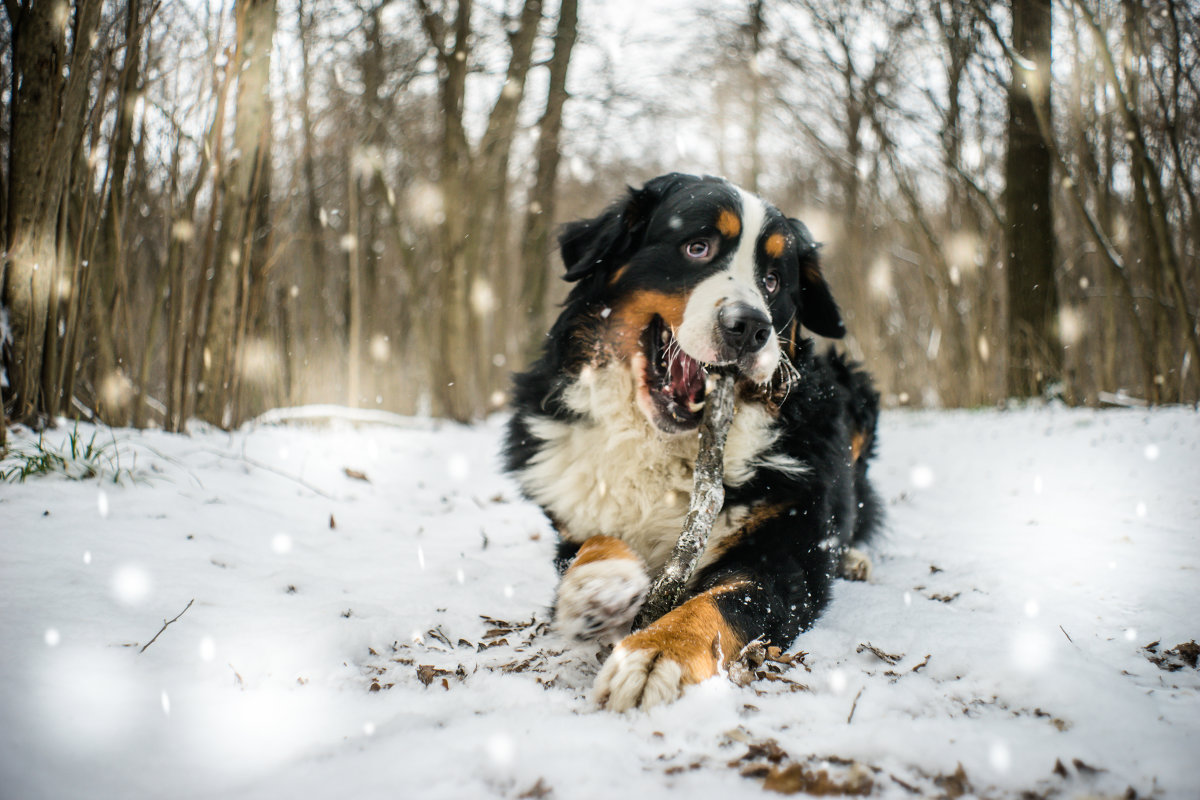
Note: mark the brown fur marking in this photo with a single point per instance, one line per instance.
(858, 443)
(755, 517)
(775, 244)
(634, 314)
(728, 223)
(602, 548)
(687, 634)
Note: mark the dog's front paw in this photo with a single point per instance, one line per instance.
(855, 565)
(599, 600)
(638, 677)
(685, 646)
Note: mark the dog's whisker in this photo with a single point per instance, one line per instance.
(789, 375)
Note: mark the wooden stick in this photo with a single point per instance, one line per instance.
(167, 622)
(708, 496)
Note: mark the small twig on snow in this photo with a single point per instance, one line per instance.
(1064, 630)
(854, 705)
(167, 622)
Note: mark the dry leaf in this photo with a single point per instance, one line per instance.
(535, 792)
(795, 779)
(955, 785)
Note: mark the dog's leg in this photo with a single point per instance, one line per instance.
(684, 646)
(771, 583)
(601, 591)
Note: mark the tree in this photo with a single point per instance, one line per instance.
(473, 181)
(1034, 352)
(239, 252)
(535, 244)
(51, 66)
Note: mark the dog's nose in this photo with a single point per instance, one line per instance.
(744, 328)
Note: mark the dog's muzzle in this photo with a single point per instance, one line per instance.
(744, 331)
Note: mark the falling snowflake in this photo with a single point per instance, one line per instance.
(1000, 757)
(922, 477)
(501, 749)
(131, 584)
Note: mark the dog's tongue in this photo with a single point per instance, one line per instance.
(686, 381)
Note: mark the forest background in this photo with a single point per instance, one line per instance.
(211, 208)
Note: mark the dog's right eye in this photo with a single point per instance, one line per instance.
(698, 249)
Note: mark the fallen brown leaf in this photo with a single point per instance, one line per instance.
(955, 785)
(535, 792)
(795, 778)
(427, 673)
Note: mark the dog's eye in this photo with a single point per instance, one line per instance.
(771, 282)
(698, 249)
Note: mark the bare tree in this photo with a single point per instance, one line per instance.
(535, 243)
(1034, 352)
(51, 67)
(238, 241)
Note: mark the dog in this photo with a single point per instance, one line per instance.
(685, 273)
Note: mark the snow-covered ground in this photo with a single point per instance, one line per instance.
(336, 643)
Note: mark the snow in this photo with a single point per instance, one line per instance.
(1030, 557)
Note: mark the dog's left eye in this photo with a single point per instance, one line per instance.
(771, 282)
(698, 249)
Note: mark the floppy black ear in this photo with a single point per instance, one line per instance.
(607, 241)
(818, 311)
(591, 244)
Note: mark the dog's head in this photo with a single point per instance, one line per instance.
(689, 272)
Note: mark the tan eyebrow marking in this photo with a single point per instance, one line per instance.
(728, 223)
(774, 244)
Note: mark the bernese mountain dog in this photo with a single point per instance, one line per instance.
(685, 273)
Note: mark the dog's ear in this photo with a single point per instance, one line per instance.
(818, 311)
(604, 243)
(591, 244)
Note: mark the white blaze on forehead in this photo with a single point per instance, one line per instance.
(744, 265)
(737, 282)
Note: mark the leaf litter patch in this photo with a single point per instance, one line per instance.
(1182, 655)
(437, 658)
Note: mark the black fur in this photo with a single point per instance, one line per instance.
(790, 551)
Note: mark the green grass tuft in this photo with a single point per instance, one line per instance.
(78, 458)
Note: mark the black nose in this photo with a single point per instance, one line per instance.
(744, 328)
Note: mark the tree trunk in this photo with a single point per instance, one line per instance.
(451, 336)
(535, 244)
(48, 116)
(110, 266)
(488, 249)
(1034, 353)
(256, 28)
(354, 299)
(756, 102)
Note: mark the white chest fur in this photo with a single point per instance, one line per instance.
(613, 473)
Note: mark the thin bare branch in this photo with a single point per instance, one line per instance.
(166, 623)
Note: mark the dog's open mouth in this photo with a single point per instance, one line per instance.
(674, 380)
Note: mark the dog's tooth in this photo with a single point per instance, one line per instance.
(695, 406)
